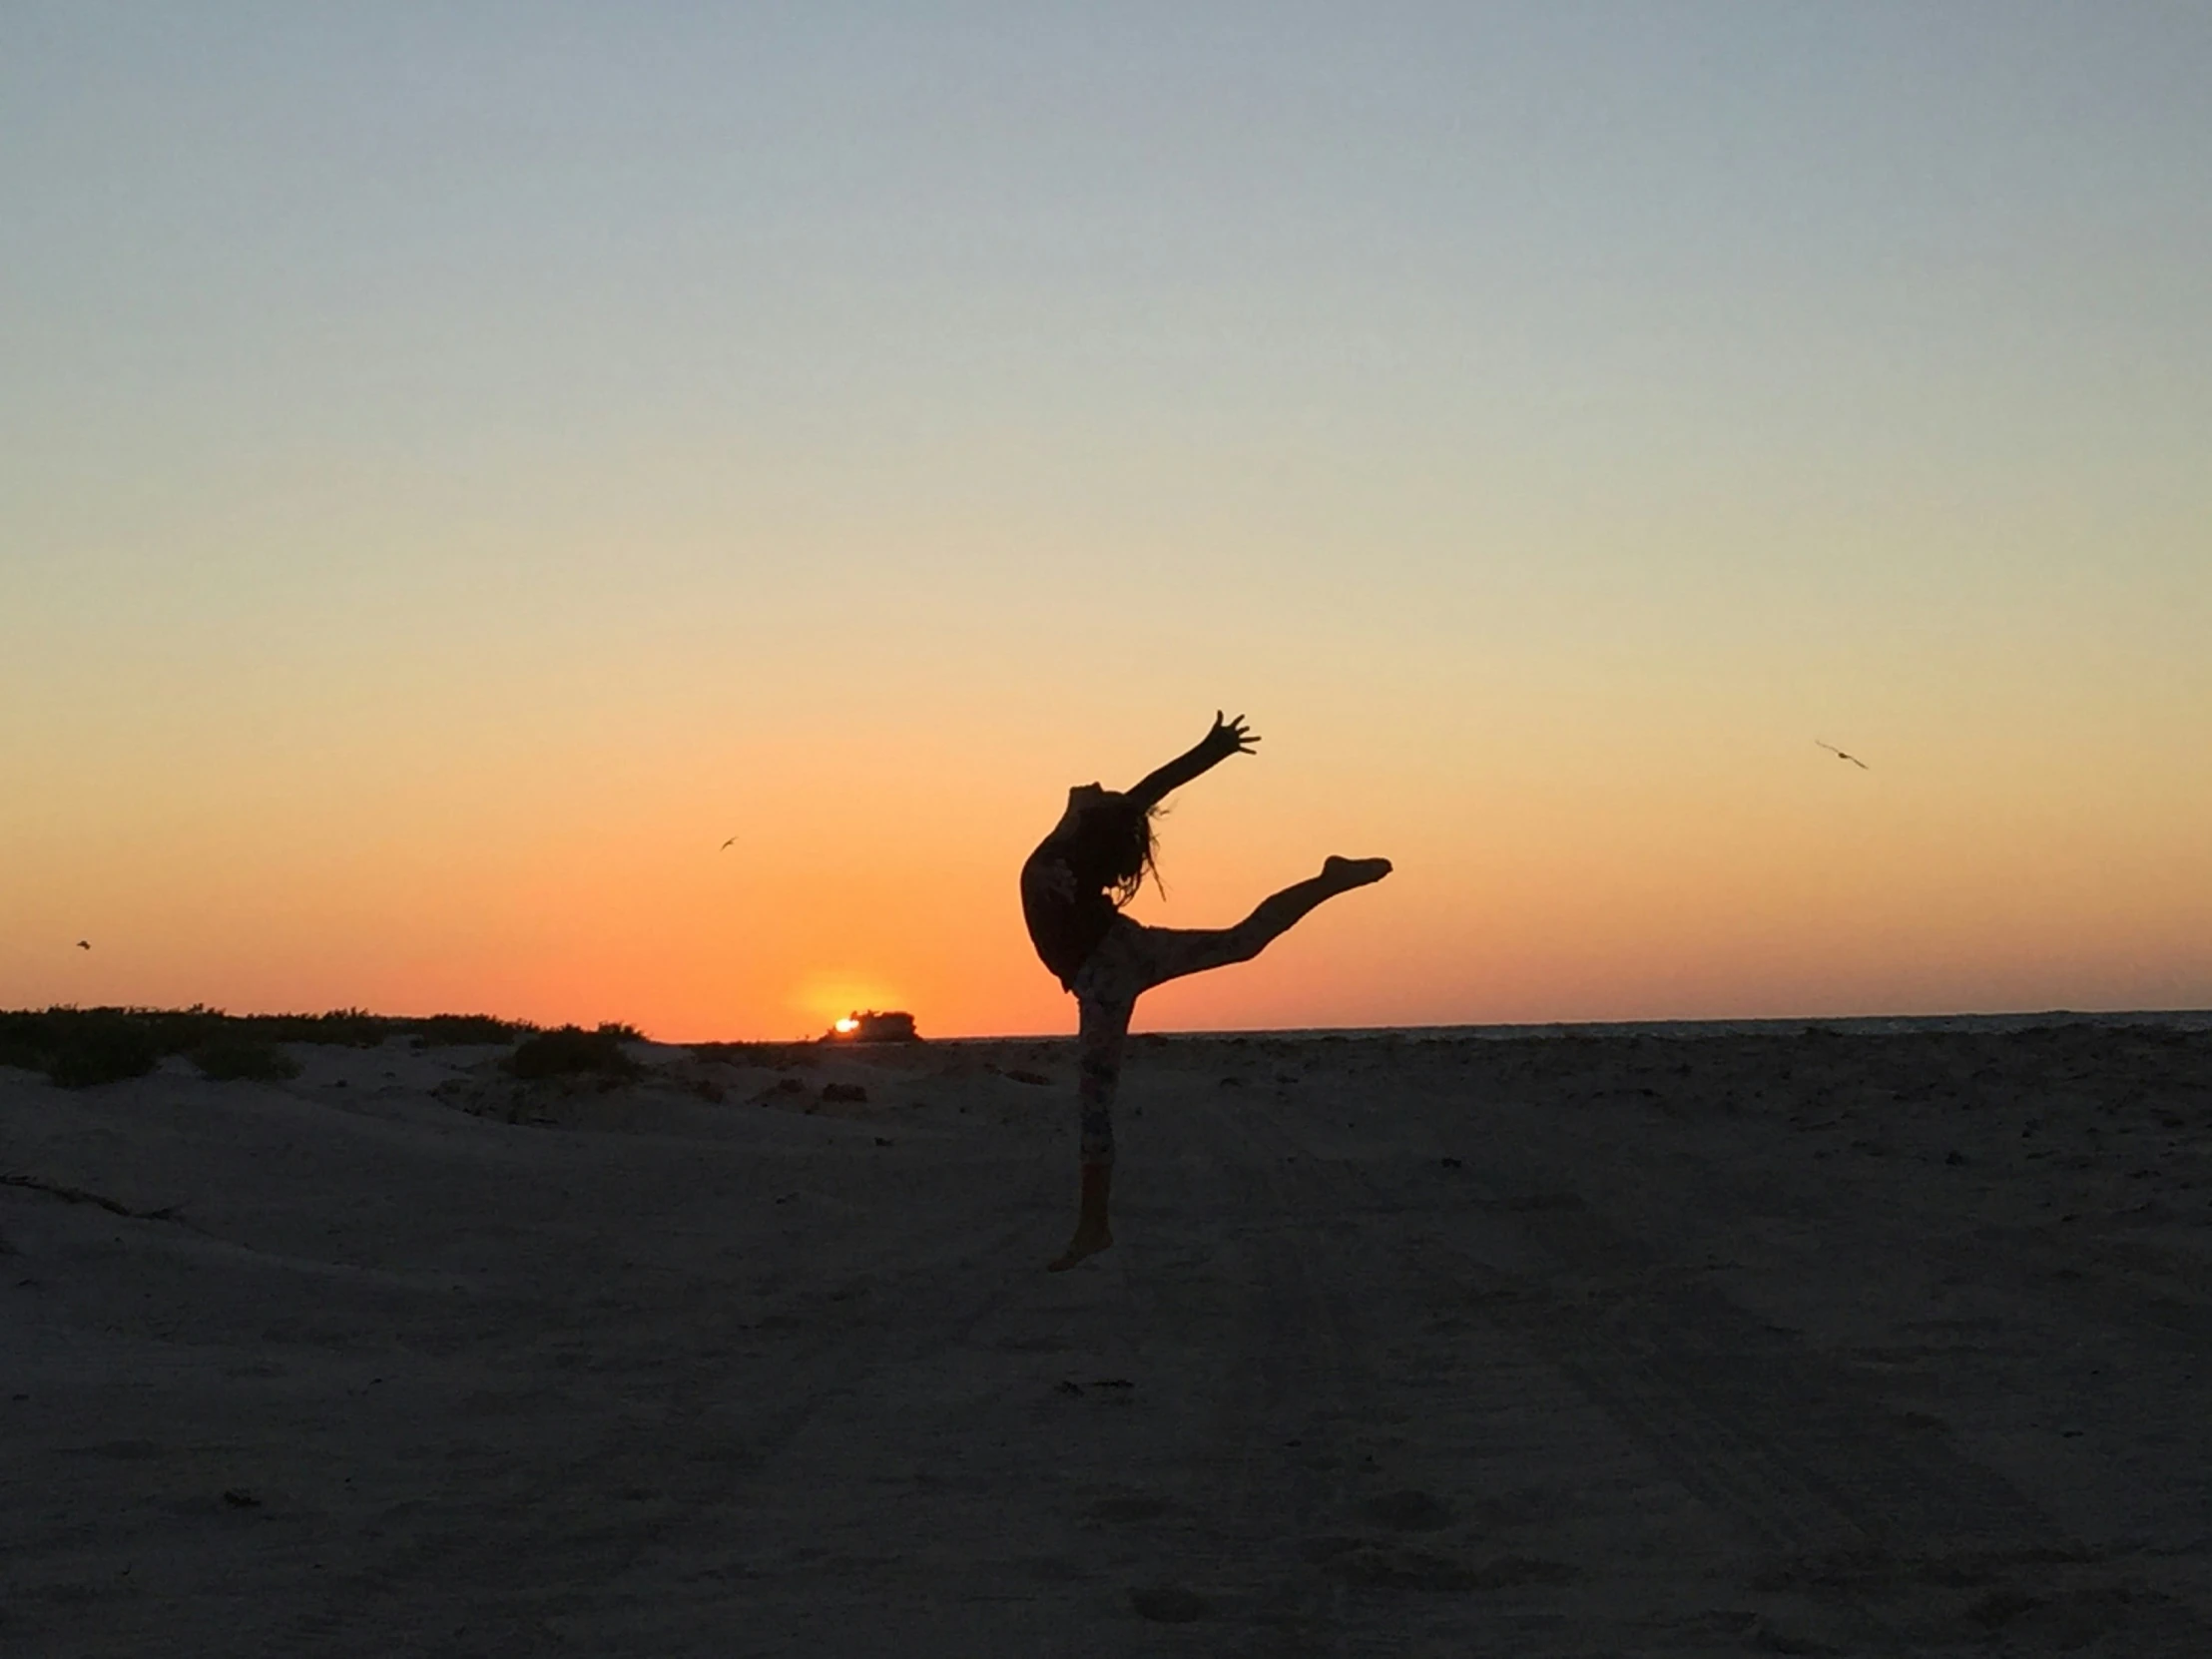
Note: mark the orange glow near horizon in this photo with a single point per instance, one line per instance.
(1678, 882)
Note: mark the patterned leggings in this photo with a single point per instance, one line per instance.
(1130, 960)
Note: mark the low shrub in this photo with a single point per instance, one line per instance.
(344, 1027)
(570, 1051)
(457, 1031)
(23, 1041)
(240, 1058)
(80, 1046)
(100, 1048)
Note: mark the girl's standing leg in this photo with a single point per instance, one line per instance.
(1103, 1034)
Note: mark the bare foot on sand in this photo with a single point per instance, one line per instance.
(1092, 1230)
(1088, 1241)
(1345, 874)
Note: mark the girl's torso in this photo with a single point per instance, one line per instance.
(1066, 921)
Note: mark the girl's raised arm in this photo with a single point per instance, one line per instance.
(1229, 737)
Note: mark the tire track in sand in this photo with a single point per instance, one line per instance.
(1279, 1431)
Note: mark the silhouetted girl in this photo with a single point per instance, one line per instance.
(1072, 890)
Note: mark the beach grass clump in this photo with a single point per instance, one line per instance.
(78, 1047)
(571, 1051)
(239, 1058)
(463, 1030)
(101, 1046)
(341, 1027)
(23, 1040)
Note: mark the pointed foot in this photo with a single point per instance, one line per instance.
(1345, 874)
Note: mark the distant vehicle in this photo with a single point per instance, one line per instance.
(874, 1028)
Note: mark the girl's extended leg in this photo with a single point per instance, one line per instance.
(1171, 952)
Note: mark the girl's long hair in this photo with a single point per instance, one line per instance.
(1114, 849)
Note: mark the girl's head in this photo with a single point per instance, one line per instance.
(1112, 846)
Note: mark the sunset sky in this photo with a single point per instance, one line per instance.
(459, 464)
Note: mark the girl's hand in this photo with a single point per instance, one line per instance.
(1229, 737)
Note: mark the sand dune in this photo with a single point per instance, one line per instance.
(1765, 1344)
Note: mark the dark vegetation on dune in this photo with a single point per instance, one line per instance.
(252, 1058)
(572, 1051)
(78, 1047)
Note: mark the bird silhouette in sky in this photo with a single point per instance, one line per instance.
(1840, 755)
(728, 844)
(84, 944)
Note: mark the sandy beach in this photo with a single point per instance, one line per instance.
(1811, 1344)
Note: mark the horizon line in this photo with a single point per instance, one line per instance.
(1748, 1024)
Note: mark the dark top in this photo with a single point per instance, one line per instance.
(1066, 923)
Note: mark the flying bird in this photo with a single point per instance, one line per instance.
(1840, 755)
(84, 944)
(728, 844)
